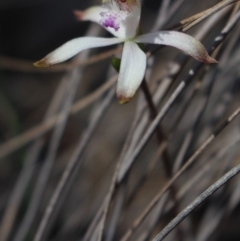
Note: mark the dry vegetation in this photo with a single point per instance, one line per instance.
(76, 165)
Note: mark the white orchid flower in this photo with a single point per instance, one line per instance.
(121, 18)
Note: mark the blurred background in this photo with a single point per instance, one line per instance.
(50, 118)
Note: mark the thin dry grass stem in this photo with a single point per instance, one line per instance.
(107, 202)
(235, 8)
(194, 20)
(216, 213)
(232, 41)
(163, 15)
(21, 140)
(206, 169)
(25, 226)
(198, 113)
(234, 199)
(28, 168)
(148, 172)
(120, 196)
(211, 22)
(73, 165)
(149, 223)
(213, 188)
(93, 226)
(215, 209)
(209, 78)
(231, 44)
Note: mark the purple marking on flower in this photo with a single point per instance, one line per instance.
(110, 21)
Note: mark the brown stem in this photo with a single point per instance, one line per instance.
(166, 158)
(160, 134)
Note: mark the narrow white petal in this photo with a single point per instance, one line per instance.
(131, 23)
(92, 14)
(178, 40)
(71, 48)
(133, 66)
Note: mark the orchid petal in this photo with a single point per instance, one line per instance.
(179, 40)
(91, 14)
(132, 69)
(120, 18)
(71, 48)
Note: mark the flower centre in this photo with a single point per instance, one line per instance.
(118, 10)
(121, 17)
(112, 19)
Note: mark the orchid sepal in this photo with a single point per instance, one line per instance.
(132, 70)
(73, 47)
(179, 40)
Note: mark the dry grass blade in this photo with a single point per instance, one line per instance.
(213, 188)
(75, 78)
(28, 169)
(193, 20)
(19, 141)
(73, 164)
